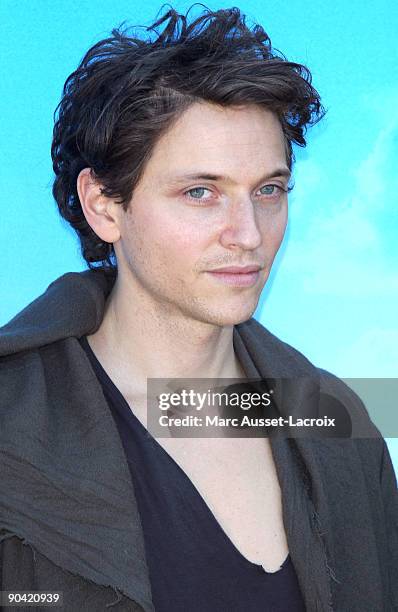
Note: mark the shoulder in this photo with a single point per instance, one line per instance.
(33, 377)
(71, 306)
(277, 358)
(270, 353)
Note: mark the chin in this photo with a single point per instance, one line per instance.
(220, 312)
(229, 318)
(242, 318)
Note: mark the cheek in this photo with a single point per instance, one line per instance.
(172, 242)
(273, 228)
(182, 246)
(281, 228)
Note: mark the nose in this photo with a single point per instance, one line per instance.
(241, 226)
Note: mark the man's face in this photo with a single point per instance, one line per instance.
(177, 228)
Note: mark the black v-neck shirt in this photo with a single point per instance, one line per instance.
(193, 565)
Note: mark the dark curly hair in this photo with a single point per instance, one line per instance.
(128, 91)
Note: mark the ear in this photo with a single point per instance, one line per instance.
(101, 213)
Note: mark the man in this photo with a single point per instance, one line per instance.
(172, 160)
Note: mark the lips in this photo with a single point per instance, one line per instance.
(236, 276)
(237, 270)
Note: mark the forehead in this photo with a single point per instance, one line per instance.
(223, 139)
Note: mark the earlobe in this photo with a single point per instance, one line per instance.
(97, 208)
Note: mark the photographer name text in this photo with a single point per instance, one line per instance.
(245, 421)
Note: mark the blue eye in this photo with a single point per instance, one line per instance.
(196, 189)
(198, 193)
(269, 189)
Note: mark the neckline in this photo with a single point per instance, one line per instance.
(105, 379)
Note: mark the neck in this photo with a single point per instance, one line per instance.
(140, 338)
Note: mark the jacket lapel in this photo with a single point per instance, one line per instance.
(66, 485)
(296, 391)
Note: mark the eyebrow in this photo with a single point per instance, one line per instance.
(206, 176)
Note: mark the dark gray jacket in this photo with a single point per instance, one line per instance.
(68, 515)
